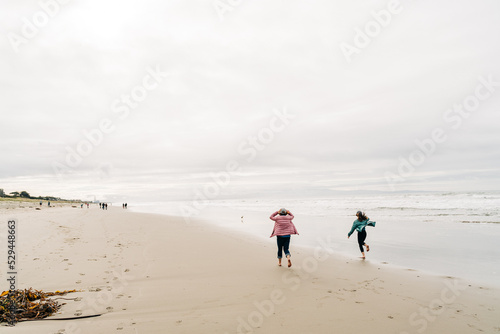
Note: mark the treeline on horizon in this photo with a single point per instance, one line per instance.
(25, 194)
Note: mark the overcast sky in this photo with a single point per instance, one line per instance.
(166, 99)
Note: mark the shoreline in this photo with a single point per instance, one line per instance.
(454, 250)
(150, 273)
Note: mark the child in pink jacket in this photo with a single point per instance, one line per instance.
(283, 229)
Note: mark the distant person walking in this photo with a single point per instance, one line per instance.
(360, 225)
(283, 229)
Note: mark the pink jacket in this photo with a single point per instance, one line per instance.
(283, 225)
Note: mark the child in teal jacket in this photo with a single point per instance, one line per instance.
(359, 225)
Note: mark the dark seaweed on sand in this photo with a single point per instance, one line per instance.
(29, 304)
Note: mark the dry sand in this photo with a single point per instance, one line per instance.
(157, 274)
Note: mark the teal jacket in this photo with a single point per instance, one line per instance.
(360, 226)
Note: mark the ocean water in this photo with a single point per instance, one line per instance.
(451, 234)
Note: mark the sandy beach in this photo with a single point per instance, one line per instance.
(148, 273)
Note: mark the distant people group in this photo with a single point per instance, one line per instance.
(284, 228)
(103, 206)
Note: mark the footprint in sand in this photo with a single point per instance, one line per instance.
(109, 308)
(78, 282)
(476, 328)
(78, 313)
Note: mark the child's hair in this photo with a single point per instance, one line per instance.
(361, 216)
